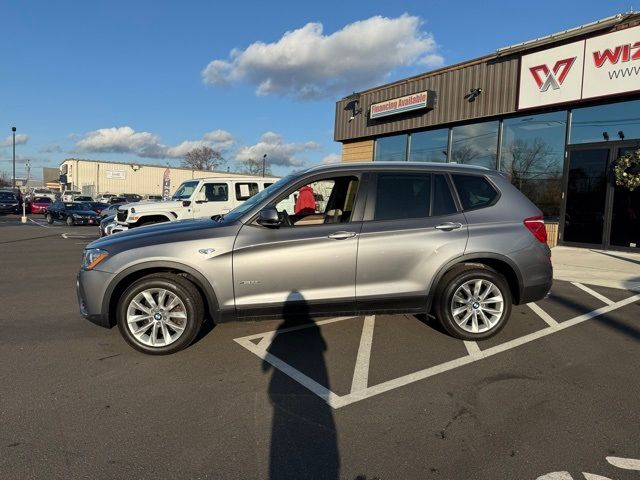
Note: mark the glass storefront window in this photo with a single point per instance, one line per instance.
(533, 158)
(391, 149)
(429, 146)
(475, 144)
(590, 124)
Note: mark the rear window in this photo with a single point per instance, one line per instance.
(474, 191)
(42, 200)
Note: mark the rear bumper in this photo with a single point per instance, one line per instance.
(533, 293)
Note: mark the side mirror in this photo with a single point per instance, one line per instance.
(186, 203)
(269, 218)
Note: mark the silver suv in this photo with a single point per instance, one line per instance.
(457, 241)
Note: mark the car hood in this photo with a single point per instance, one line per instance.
(162, 233)
(148, 206)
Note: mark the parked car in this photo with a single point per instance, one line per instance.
(83, 198)
(104, 222)
(42, 192)
(9, 202)
(132, 197)
(38, 204)
(152, 198)
(109, 211)
(97, 207)
(69, 195)
(72, 213)
(198, 198)
(118, 200)
(104, 197)
(458, 241)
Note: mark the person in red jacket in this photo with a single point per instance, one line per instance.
(306, 202)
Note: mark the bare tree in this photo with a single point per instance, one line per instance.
(464, 154)
(203, 158)
(529, 160)
(4, 180)
(254, 167)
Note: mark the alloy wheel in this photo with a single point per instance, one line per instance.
(477, 306)
(156, 317)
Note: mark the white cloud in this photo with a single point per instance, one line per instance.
(21, 139)
(307, 64)
(52, 148)
(332, 158)
(147, 145)
(278, 152)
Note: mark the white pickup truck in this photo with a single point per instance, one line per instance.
(195, 198)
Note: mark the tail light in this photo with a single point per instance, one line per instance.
(536, 226)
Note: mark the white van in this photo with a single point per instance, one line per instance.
(197, 198)
(69, 195)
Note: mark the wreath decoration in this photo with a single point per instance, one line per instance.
(627, 170)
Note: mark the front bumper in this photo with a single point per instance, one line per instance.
(9, 208)
(91, 287)
(85, 221)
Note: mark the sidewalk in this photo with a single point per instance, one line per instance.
(597, 267)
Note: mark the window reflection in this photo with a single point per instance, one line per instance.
(533, 158)
(589, 124)
(391, 149)
(429, 146)
(475, 144)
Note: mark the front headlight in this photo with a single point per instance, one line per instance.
(92, 257)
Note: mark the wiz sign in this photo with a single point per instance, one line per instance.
(599, 66)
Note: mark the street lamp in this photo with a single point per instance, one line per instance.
(13, 181)
(264, 164)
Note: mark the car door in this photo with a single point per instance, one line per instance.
(412, 226)
(213, 198)
(309, 262)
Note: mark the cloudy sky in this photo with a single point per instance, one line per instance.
(146, 81)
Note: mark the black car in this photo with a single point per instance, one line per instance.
(132, 197)
(97, 207)
(9, 202)
(73, 213)
(118, 200)
(104, 221)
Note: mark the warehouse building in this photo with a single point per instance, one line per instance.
(93, 177)
(554, 114)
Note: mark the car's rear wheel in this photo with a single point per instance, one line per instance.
(49, 218)
(473, 302)
(160, 314)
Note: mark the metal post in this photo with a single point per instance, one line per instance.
(13, 181)
(264, 164)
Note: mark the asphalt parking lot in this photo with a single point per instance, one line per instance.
(554, 396)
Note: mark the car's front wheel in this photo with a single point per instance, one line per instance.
(70, 221)
(160, 314)
(473, 302)
(49, 218)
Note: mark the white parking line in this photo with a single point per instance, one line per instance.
(38, 223)
(626, 463)
(361, 372)
(600, 297)
(336, 401)
(472, 348)
(542, 314)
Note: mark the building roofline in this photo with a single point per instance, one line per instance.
(519, 47)
(153, 165)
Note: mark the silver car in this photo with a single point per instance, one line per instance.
(457, 241)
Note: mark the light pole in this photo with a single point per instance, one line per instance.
(13, 181)
(264, 164)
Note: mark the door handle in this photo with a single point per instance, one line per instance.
(448, 226)
(342, 235)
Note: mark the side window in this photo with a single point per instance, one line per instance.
(323, 201)
(402, 195)
(474, 191)
(443, 203)
(244, 191)
(216, 192)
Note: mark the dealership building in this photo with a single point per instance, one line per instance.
(554, 114)
(93, 177)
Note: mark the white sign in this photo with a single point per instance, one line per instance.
(407, 103)
(612, 63)
(599, 66)
(551, 76)
(117, 174)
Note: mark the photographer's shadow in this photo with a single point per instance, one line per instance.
(303, 434)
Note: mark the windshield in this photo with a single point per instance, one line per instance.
(77, 206)
(185, 190)
(256, 199)
(7, 196)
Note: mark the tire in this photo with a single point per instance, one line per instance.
(456, 315)
(70, 221)
(189, 314)
(49, 218)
